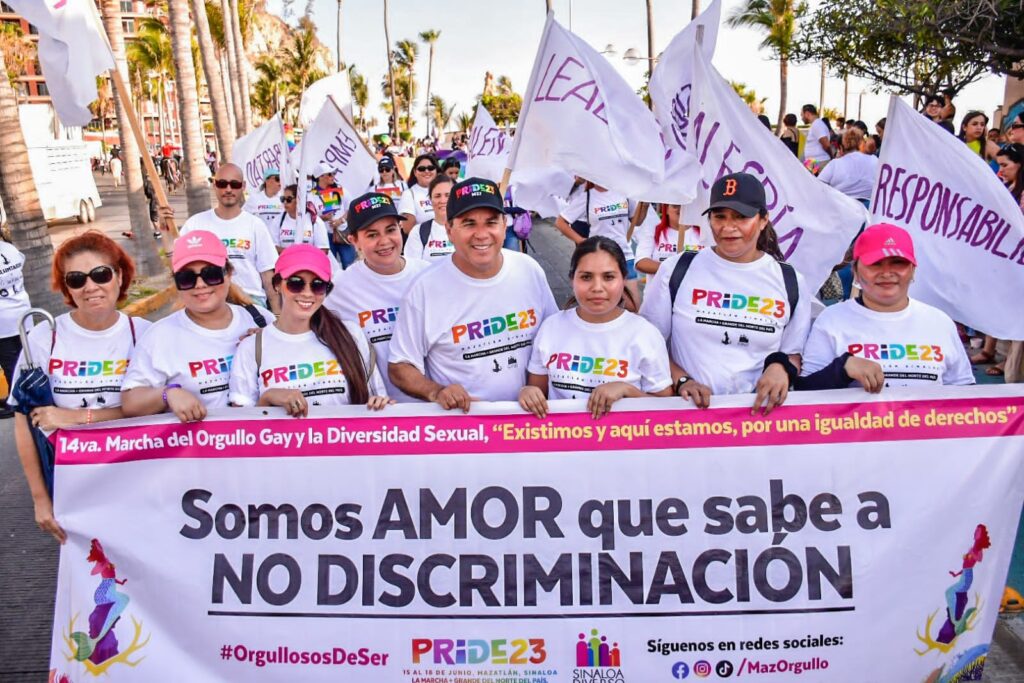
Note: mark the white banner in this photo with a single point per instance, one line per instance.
(488, 147)
(815, 223)
(670, 88)
(848, 541)
(336, 85)
(261, 149)
(580, 116)
(333, 140)
(968, 231)
(72, 52)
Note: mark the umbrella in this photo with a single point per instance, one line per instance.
(31, 391)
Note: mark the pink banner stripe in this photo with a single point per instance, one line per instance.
(664, 429)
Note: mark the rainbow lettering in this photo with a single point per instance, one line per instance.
(919, 352)
(87, 368)
(611, 208)
(210, 366)
(237, 244)
(490, 326)
(371, 203)
(740, 302)
(438, 244)
(321, 368)
(475, 188)
(586, 365)
(378, 316)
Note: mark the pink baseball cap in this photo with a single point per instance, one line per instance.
(883, 240)
(198, 245)
(300, 257)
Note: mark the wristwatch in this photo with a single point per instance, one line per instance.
(679, 384)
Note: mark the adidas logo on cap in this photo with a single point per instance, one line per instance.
(890, 242)
(193, 242)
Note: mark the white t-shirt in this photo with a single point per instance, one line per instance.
(86, 368)
(812, 146)
(178, 351)
(727, 318)
(249, 245)
(415, 201)
(268, 209)
(285, 232)
(478, 333)
(853, 174)
(608, 217)
(371, 301)
(437, 246)
(393, 190)
(667, 246)
(296, 361)
(14, 301)
(577, 356)
(918, 346)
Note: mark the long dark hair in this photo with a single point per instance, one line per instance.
(1015, 153)
(333, 334)
(768, 242)
(963, 125)
(593, 245)
(412, 173)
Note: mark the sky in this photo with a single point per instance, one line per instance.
(502, 37)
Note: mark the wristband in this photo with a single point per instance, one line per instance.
(166, 389)
(679, 384)
(88, 416)
(787, 365)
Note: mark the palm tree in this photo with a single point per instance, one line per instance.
(442, 114)
(269, 84)
(777, 20)
(360, 94)
(464, 122)
(214, 81)
(151, 52)
(228, 36)
(21, 201)
(391, 74)
(243, 62)
(197, 190)
(430, 37)
(406, 53)
(143, 247)
(298, 63)
(341, 61)
(17, 49)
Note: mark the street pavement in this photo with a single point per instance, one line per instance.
(28, 558)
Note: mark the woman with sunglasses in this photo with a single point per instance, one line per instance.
(658, 240)
(329, 199)
(415, 205)
(389, 184)
(292, 228)
(183, 363)
(265, 204)
(597, 349)
(86, 353)
(429, 240)
(308, 356)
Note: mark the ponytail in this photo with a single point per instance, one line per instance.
(768, 242)
(333, 334)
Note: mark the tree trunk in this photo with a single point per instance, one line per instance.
(143, 247)
(391, 74)
(229, 95)
(695, 10)
(197, 190)
(233, 77)
(341, 61)
(161, 112)
(783, 89)
(409, 99)
(24, 214)
(214, 82)
(430, 77)
(243, 66)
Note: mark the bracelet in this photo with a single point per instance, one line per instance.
(88, 416)
(166, 389)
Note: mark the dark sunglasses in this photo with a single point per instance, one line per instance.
(287, 200)
(296, 285)
(233, 184)
(385, 169)
(426, 169)
(187, 279)
(275, 178)
(1017, 125)
(101, 275)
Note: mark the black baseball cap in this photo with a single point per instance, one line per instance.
(740, 192)
(385, 163)
(474, 193)
(367, 208)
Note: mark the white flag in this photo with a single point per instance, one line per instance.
(261, 149)
(815, 223)
(72, 51)
(336, 86)
(670, 87)
(580, 116)
(968, 231)
(489, 148)
(332, 142)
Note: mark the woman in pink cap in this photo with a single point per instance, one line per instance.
(308, 356)
(883, 337)
(183, 365)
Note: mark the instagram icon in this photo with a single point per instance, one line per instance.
(702, 669)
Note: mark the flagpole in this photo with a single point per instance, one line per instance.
(681, 239)
(147, 160)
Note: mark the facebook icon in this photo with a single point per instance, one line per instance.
(680, 670)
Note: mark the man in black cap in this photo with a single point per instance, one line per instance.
(467, 324)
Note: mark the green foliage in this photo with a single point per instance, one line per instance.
(746, 93)
(18, 51)
(777, 19)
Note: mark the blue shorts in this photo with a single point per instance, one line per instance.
(631, 273)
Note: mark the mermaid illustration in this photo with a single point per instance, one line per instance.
(100, 643)
(959, 617)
